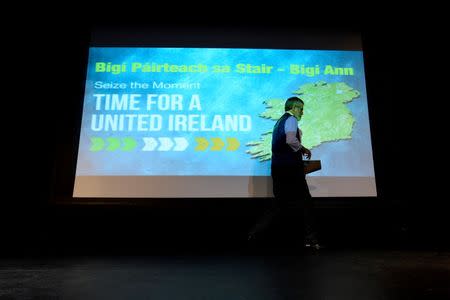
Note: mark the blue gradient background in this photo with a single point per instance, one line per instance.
(221, 93)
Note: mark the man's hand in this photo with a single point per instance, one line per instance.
(306, 152)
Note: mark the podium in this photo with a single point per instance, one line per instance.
(311, 166)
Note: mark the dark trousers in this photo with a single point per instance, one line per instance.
(292, 199)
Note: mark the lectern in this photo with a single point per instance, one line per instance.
(311, 166)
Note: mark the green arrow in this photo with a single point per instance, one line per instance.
(114, 144)
(97, 144)
(129, 144)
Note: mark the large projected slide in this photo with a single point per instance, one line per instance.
(197, 122)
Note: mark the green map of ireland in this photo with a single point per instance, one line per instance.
(326, 117)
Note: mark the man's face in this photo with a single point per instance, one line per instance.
(297, 110)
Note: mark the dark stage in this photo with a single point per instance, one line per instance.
(330, 274)
(126, 252)
(393, 246)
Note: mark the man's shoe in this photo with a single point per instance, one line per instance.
(251, 237)
(313, 244)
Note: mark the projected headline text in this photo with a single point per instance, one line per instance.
(119, 120)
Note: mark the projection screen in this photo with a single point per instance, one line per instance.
(170, 120)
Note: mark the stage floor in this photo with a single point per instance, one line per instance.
(362, 274)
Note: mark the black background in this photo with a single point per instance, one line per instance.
(48, 59)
